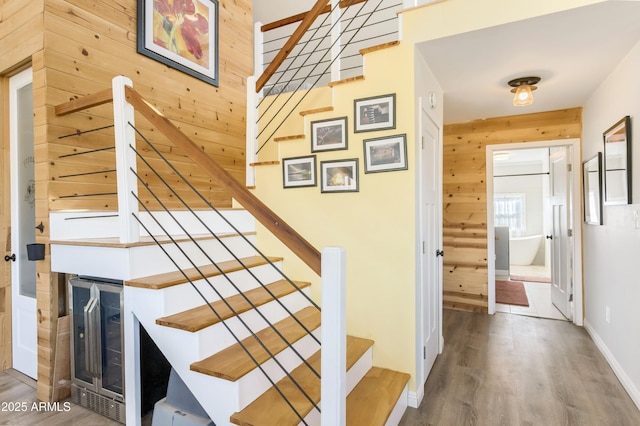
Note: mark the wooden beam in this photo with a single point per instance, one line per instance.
(100, 98)
(285, 233)
(288, 47)
(291, 20)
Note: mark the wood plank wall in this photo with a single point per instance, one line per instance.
(465, 281)
(20, 37)
(76, 47)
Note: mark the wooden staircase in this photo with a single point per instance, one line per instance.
(226, 372)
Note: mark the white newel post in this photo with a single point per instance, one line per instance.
(252, 130)
(334, 337)
(125, 136)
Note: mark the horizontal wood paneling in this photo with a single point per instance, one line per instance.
(465, 277)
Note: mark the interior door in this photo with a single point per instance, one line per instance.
(560, 237)
(23, 271)
(431, 231)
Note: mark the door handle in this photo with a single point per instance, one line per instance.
(549, 237)
(439, 253)
(10, 258)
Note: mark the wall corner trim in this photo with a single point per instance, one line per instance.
(626, 381)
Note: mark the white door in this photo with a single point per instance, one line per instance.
(560, 237)
(431, 238)
(23, 271)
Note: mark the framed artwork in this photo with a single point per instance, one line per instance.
(376, 113)
(617, 163)
(592, 187)
(182, 35)
(299, 172)
(329, 135)
(339, 175)
(385, 154)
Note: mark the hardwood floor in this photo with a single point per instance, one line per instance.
(517, 370)
(17, 396)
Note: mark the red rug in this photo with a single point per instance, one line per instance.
(530, 279)
(511, 293)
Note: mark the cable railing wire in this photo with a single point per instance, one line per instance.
(236, 258)
(227, 221)
(309, 90)
(291, 96)
(220, 319)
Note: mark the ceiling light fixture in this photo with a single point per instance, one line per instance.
(523, 88)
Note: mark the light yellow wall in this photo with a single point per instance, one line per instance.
(377, 225)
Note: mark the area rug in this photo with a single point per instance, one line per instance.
(511, 293)
(530, 279)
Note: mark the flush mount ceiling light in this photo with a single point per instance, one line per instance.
(523, 88)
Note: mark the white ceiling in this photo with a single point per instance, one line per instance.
(572, 51)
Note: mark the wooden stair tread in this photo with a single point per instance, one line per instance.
(374, 397)
(378, 47)
(201, 317)
(160, 281)
(265, 163)
(346, 80)
(288, 138)
(316, 110)
(233, 362)
(279, 412)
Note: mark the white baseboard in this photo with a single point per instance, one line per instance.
(414, 398)
(626, 381)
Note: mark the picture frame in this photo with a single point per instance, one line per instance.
(617, 163)
(329, 135)
(339, 175)
(299, 172)
(592, 190)
(374, 113)
(385, 154)
(191, 48)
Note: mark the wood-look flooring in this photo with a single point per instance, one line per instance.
(516, 370)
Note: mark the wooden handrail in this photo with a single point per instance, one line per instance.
(99, 98)
(288, 47)
(300, 16)
(285, 233)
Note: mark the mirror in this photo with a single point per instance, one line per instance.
(617, 163)
(592, 187)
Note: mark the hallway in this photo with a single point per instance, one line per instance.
(517, 370)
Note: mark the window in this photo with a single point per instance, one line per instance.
(508, 210)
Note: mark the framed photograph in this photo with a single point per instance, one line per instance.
(339, 176)
(592, 187)
(385, 154)
(182, 35)
(299, 172)
(617, 163)
(329, 135)
(376, 113)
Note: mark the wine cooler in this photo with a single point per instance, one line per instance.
(97, 346)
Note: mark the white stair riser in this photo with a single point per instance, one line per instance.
(134, 262)
(206, 221)
(151, 260)
(254, 384)
(399, 408)
(84, 225)
(215, 338)
(182, 297)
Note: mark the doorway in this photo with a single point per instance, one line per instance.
(533, 192)
(22, 231)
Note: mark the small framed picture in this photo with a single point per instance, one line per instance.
(376, 113)
(299, 172)
(339, 176)
(329, 135)
(385, 154)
